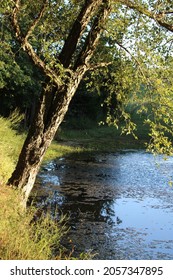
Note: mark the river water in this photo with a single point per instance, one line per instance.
(119, 205)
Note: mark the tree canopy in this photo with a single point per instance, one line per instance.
(135, 51)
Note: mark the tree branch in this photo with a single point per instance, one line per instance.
(23, 40)
(89, 7)
(156, 16)
(99, 65)
(93, 36)
(15, 24)
(36, 21)
(135, 59)
(165, 12)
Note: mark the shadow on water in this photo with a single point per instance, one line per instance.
(120, 205)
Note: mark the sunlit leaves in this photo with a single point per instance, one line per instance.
(139, 49)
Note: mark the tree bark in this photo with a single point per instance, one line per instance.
(39, 138)
(54, 101)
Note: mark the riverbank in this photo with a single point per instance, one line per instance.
(90, 136)
(101, 139)
(18, 239)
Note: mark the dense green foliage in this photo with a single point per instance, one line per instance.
(135, 55)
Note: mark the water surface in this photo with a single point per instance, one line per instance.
(120, 205)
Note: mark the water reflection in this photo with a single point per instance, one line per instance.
(120, 205)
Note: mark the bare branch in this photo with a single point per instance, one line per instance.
(99, 65)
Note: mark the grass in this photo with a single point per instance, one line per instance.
(22, 240)
(104, 138)
(60, 150)
(19, 238)
(10, 145)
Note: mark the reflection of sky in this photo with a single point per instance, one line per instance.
(50, 179)
(142, 169)
(145, 216)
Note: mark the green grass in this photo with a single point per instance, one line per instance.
(10, 145)
(19, 238)
(59, 150)
(22, 240)
(104, 138)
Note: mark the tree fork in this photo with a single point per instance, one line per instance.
(51, 111)
(77, 30)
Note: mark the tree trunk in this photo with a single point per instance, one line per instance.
(54, 101)
(47, 119)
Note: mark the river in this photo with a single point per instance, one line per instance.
(119, 205)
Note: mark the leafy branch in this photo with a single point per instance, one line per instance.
(157, 16)
(27, 47)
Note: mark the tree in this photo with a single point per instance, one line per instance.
(60, 87)
(41, 30)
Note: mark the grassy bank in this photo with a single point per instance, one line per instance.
(104, 138)
(10, 145)
(19, 238)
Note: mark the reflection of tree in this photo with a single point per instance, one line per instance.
(86, 195)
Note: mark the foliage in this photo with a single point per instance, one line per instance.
(19, 80)
(137, 72)
(142, 78)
